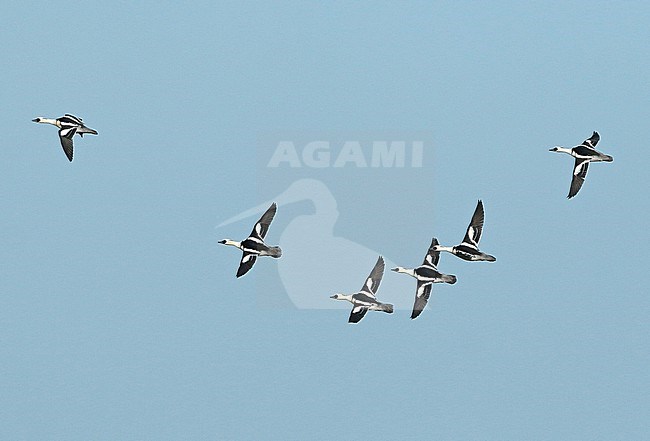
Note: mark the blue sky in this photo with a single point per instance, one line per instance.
(121, 317)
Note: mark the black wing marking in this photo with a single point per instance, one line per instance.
(432, 257)
(475, 228)
(262, 225)
(422, 295)
(374, 279)
(65, 135)
(357, 314)
(579, 174)
(70, 120)
(247, 262)
(79, 120)
(592, 141)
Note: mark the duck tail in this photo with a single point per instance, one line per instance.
(275, 252)
(82, 130)
(448, 278)
(608, 158)
(386, 307)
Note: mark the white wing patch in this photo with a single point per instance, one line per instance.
(471, 233)
(578, 169)
(65, 133)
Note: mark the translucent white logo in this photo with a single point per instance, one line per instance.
(321, 189)
(317, 263)
(322, 154)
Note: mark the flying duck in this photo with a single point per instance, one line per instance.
(68, 125)
(254, 245)
(584, 154)
(366, 299)
(426, 274)
(468, 249)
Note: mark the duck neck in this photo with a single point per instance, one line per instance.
(564, 150)
(49, 121)
(231, 243)
(443, 248)
(408, 271)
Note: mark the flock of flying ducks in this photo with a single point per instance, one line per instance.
(365, 299)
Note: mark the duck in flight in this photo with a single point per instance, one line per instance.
(584, 154)
(468, 249)
(68, 125)
(426, 274)
(366, 298)
(254, 246)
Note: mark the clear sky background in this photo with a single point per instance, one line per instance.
(121, 318)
